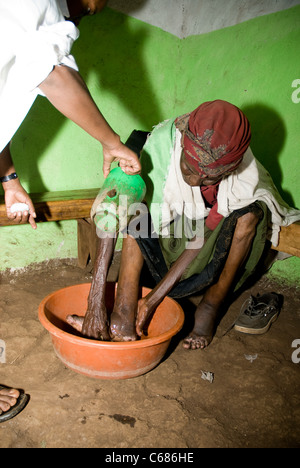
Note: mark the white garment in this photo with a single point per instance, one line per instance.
(64, 7)
(178, 196)
(34, 37)
(250, 182)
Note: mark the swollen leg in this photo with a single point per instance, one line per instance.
(95, 322)
(122, 325)
(208, 310)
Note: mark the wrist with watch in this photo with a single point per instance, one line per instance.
(8, 177)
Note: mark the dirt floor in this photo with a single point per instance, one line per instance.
(253, 400)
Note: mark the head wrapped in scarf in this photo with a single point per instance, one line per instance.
(215, 137)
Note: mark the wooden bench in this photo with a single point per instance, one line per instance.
(76, 205)
(57, 206)
(289, 240)
(63, 206)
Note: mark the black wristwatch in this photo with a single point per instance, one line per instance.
(9, 177)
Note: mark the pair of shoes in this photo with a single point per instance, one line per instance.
(16, 409)
(258, 313)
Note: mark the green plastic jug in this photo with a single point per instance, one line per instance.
(111, 209)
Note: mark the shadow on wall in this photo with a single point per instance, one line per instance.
(108, 50)
(268, 138)
(34, 136)
(114, 52)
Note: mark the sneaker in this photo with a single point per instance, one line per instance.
(258, 313)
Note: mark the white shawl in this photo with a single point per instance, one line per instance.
(249, 183)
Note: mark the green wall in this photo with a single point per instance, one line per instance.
(140, 75)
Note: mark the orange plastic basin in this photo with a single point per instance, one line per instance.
(104, 359)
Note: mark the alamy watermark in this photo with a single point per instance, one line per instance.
(187, 223)
(2, 352)
(296, 353)
(296, 94)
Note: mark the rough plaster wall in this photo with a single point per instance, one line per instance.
(184, 18)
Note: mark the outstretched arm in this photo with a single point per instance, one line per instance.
(148, 304)
(67, 91)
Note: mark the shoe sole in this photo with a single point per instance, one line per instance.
(256, 331)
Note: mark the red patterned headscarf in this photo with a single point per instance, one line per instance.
(215, 137)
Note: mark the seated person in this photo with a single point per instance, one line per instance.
(211, 207)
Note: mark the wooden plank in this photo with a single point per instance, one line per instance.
(66, 195)
(289, 240)
(57, 206)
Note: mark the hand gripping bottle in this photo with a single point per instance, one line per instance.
(111, 209)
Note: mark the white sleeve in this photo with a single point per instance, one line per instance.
(44, 40)
(34, 37)
(63, 5)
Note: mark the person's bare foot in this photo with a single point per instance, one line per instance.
(204, 328)
(8, 399)
(75, 321)
(93, 325)
(122, 325)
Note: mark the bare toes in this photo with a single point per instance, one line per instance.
(119, 335)
(196, 342)
(75, 321)
(8, 398)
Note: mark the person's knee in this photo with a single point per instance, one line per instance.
(129, 242)
(246, 227)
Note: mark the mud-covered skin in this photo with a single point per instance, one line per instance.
(95, 323)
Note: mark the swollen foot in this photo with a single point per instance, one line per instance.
(204, 328)
(100, 333)
(121, 328)
(75, 321)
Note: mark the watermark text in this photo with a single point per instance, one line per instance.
(2, 352)
(296, 94)
(296, 353)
